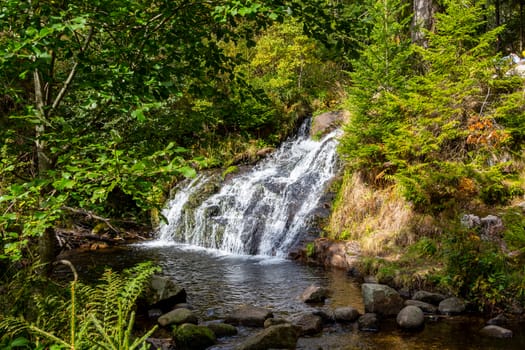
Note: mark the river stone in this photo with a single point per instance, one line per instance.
(425, 307)
(308, 324)
(410, 317)
(499, 320)
(192, 337)
(314, 294)
(368, 323)
(222, 329)
(249, 316)
(282, 336)
(176, 317)
(326, 122)
(381, 299)
(496, 332)
(428, 297)
(274, 322)
(162, 293)
(346, 314)
(452, 306)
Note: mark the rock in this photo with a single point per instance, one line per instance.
(410, 317)
(381, 299)
(308, 324)
(276, 337)
(346, 314)
(491, 227)
(314, 294)
(452, 306)
(425, 307)
(222, 329)
(370, 279)
(274, 322)
(368, 323)
(496, 332)
(326, 315)
(176, 317)
(499, 320)
(192, 337)
(163, 293)
(428, 297)
(470, 221)
(326, 122)
(249, 316)
(159, 344)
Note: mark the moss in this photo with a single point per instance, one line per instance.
(191, 337)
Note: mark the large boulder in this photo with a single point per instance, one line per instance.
(452, 306)
(496, 332)
(176, 317)
(192, 337)
(381, 299)
(314, 294)
(283, 336)
(326, 122)
(428, 297)
(346, 314)
(162, 293)
(410, 317)
(308, 324)
(368, 323)
(249, 316)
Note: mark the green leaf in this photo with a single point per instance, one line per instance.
(187, 171)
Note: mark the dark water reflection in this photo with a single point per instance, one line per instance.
(217, 283)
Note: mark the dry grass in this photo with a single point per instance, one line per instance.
(380, 219)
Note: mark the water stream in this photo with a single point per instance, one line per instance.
(228, 249)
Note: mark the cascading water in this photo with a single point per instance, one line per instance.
(262, 211)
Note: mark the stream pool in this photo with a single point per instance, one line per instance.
(216, 283)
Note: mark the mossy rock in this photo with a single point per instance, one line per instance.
(222, 329)
(192, 337)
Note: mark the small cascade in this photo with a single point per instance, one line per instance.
(259, 212)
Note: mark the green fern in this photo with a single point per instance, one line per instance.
(101, 317)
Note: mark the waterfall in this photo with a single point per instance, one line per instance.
(262, 211)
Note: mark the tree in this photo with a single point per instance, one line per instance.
(80, 80)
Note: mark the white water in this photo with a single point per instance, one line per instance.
(260, 212)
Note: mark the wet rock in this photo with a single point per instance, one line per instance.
(370, 279)
(162, 293)
(368, 323)
(222, 329)
(274, 322)
(192, 337)
(452, 306)
(499, 320)
(276, 337)
(410, 317)
(425, 307)
(308, 324)
(159, 344)
(381, 299)
(326, 122)
(496, 332)
(176, 317)
(249, 316)
(326, 315)
(314, 294)
(346, 314)
(428, 297)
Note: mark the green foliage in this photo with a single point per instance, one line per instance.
(100, 317)
(476, 270)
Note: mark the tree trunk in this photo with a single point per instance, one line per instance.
(423, 12)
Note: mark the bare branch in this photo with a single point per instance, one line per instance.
(72, 73)
(91, 215)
